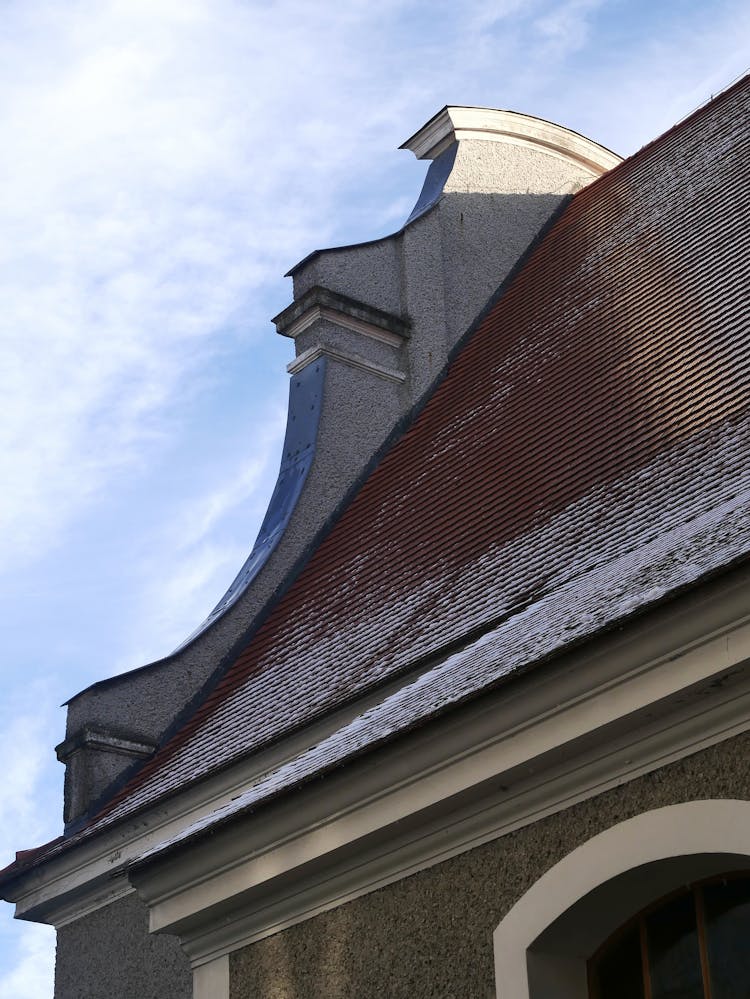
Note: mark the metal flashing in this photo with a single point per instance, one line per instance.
(305, 401)
(437, 175)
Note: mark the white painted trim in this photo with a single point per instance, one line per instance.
(635, 699)
(358, 363)
(693, 828)
(211, 981)
(627, 721)
(445, 837)
(457, 123)
(81, 880)
(345, 321)
(100, 895)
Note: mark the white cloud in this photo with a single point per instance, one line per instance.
(32, 973)
(190, 564)
(164, 162)
(28, 719)
(565, 28)
(632, 80)
(150, 159)
(199, 519)
(29, 804)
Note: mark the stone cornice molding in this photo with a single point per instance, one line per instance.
(105, 740)
(599, 720)
(320, 302)
(622, 706)
(455, 123)
(350, 360)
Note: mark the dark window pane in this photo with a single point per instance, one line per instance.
(617, 973)
(673, 953)
(727, 909)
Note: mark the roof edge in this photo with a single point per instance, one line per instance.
(456, 123)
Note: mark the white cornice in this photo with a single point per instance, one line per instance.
(345, 321)
(82, 879)
(100, 893)
(630, 702)
(457, 123)
(597, 721)
(350, 360)
(397, 854)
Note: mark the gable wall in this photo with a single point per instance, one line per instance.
(430, 935)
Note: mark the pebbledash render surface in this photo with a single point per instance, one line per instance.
(481, 691)
(430, 935)
(373, 326)
(110, 952)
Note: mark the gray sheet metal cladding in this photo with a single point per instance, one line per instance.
(305, 399)
(434, 182)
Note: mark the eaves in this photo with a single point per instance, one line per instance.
(670, 682)
(673, 682)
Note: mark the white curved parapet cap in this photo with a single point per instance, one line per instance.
(456, 123)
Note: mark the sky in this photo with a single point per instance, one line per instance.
(165, 162)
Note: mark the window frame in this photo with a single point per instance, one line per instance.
(639, 919)
(543, 944)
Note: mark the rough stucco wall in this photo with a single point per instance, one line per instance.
(430, 935)
(367, 271)
(513, 168)
(440, 272)
(111, 955)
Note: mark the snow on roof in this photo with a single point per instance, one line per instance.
(562, 618)
(586, 455)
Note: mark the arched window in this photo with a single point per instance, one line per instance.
(693, 944)
(544, 944)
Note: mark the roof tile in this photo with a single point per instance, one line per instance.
(593, 429)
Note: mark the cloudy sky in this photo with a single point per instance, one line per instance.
(165, 162)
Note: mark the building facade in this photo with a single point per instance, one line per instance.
(472, 719)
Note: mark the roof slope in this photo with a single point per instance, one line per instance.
(587, 453)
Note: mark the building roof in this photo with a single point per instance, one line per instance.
(586, 455)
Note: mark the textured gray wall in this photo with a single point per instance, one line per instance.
(111, 955)
(439, 273)
(430, 935)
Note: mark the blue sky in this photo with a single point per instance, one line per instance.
(165, 162)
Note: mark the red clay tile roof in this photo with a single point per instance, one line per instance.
(586, 454)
